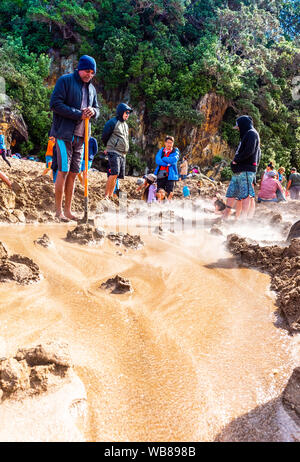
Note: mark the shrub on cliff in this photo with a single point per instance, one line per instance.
(24, 75)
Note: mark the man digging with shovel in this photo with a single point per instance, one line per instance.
(74, 99)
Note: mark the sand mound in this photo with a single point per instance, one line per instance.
(85, 234)
(17, 268)
(34, 370)
(129, 241)
(117, 285)
(283, 264)
(44, 241)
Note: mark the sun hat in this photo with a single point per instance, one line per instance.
(151, 177)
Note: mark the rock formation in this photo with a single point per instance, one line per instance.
(204, 141)
(12, 124)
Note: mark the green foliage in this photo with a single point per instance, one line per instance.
(226, 174)
(216, 159)
(69, 16)
(24, 74)
(133, 161)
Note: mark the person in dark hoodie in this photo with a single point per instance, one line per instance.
(115, 137)
(74, 99)
(244, 167)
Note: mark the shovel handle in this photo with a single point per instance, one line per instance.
(86, 155)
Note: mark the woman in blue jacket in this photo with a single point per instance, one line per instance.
(166, 170)
(3, 149)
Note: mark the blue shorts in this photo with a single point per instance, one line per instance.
(241, 186)
(82, 167)
(116, 164)
(69, 154)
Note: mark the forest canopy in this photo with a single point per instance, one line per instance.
(166, 55)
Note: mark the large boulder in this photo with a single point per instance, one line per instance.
(12, 124)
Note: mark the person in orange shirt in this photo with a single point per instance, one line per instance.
(49, 154)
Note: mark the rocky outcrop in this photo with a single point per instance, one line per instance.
(60, 65)
(12, 124)
(204, 141)
(283, 264)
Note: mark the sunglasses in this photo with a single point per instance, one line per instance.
(127, 112)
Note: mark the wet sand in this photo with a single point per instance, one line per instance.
(193, 348)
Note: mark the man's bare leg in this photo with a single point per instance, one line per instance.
(238, 209)
(245, 206)
(110, 185)
(59, 192)
(230, 202)
(251, 211)
(69, 190)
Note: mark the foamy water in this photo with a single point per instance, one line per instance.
(193, 354)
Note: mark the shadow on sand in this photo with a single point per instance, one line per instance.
(266, 423)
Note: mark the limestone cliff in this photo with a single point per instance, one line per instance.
(205, 141)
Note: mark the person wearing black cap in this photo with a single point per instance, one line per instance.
(244, 167)
(74, 99)
(115, 137)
